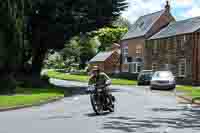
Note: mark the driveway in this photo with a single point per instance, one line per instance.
(137, 110)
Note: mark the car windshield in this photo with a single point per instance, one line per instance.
(163, 75)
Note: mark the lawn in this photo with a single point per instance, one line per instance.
(85, 78)
(30, 96)
(190, 91)
(184, 88)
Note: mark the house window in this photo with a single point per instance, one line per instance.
(135, 67)
(181, 41)
(125, 59)
(125, 51)
(166, 43)
(125, 54)
(154, 66)
(182, 68)
(181, 45)
(138, 50)
(184, 38)
(155, 47)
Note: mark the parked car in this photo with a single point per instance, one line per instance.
(144, 77)
(163, 80)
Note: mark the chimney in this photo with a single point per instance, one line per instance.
(167, 6)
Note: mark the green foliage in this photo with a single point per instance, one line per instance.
(87, 51)
(71, 18)
(107, 36)
(11, 38)
(51, 23)
(54, 61)
(79, 51)
(10, 28)
(122, 22)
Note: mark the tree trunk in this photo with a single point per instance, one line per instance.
(37, 61)
(8, 83)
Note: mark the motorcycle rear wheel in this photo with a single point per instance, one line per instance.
(111, 107)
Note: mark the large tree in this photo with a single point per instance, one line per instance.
(53, 22)
(11, 39)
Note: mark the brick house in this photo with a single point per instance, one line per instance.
(176, 48)
(108, 61)
(133, 43)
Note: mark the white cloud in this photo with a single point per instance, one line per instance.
(193, 12)
(182, 3)
(138, 8)
(182, 9)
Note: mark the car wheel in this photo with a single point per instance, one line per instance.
(151, 88)
(172, 88)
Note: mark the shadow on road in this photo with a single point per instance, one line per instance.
(56, 117)
(188, 118)
(95, 115)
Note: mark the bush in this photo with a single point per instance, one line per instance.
(8, 85)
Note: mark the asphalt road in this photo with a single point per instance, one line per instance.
(137, 110)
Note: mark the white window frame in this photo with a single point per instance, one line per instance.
(125, 51)
(182, 42)
(138, 50)
(184, 38)
(125, 54)
(134, 67)
(182, 62)
(125, 60)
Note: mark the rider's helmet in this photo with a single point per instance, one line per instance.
(95, 69)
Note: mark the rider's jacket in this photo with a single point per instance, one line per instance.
(101, 79)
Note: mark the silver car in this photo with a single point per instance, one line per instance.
(163, 80)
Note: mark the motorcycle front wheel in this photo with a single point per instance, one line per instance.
(96, 104)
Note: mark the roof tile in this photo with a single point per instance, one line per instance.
(142, 25)
(102, 56)
(180, 27)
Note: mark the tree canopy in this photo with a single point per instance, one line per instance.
(109, 35)
(51, 23)
(30, 28)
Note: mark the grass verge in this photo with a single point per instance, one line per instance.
(85, 78)
(190, 91)
(30, 96)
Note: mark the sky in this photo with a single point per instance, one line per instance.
(180, 9)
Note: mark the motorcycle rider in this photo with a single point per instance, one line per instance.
(101, 81)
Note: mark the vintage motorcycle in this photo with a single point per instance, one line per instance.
(100, 100)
